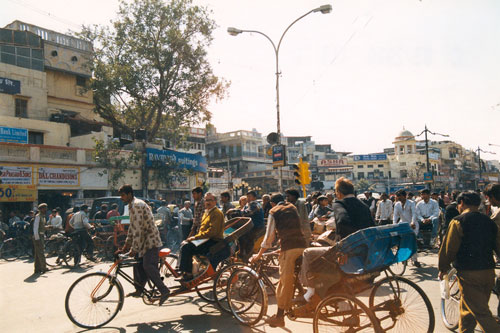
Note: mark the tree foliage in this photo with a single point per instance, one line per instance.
(363, 185)
(114, 161)
(150, 69)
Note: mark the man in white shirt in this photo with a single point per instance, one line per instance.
(384, 210)
(55, 220)
(427, 212)
(80, 222)
(404, 212)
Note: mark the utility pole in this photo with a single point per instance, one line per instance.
(428, 165)
(479, 150)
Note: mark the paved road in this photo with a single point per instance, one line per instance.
(36, 303)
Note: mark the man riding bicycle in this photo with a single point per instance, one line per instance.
(283, 221)
(351, 215)
(144, 242)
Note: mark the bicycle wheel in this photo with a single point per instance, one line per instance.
(10, 249)
(450, 308)
(220, 285)
(398, 268)
(344, 313)
(246, 296)
(99, 247)
(93, 300)
(71, 254)
(53, 250)
(167, 275)
(401, 306)
(205, 290)
(109, 248)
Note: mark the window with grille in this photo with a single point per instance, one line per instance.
(21, 108)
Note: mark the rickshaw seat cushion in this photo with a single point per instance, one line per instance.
(164, 252)
(223, 252)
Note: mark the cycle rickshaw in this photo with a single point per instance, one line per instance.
(94, 299)
(394, 303)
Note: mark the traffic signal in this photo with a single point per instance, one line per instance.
(302, 173)
(305, 174)
(296, 173)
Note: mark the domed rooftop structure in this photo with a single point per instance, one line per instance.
(405, 135)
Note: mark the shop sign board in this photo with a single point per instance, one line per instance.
(13, 134)
(16, 175)
(332, 163)
(181, 160)
(279, 155)
(370, 157)
(18, 193)
(58, 176)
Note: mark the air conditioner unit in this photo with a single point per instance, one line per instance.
(57, 117)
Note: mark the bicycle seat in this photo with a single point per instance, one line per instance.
(164, 252)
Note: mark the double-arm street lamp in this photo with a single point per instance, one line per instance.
(325, 9)
(426, 130)
(479, 151)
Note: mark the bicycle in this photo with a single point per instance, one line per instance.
(450, 303)
(95, 299)
(19, 244)
(265, 269)
(395, 303)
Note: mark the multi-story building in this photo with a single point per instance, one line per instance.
(44, 102)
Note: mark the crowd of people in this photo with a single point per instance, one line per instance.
(463, 225)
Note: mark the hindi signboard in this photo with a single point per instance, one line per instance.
(8, 86)
(16, 175)
(332, 163)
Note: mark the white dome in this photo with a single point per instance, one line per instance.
(404, 133)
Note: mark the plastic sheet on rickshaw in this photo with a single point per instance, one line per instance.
(376, 248)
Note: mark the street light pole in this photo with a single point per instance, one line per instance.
(479, 150)
(325, 9)
(426, 130)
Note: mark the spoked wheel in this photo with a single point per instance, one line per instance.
(99, 247)
(205, 290)
(398, 268)
(94, 300)
(450, 307)
(71, 254)
(168, 277)
(10, 249)
(401, 306)
(344, 313)
(246, 296)
(153, 296)
(53, 250)
(220, 286)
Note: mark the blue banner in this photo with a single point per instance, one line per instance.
(8, 86)
(187, 161)
(12, 134)
(370, 157)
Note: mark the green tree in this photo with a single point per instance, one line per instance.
(150, 69)
(114, 161)
(363, 185)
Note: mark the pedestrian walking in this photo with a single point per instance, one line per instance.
(471, 240)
